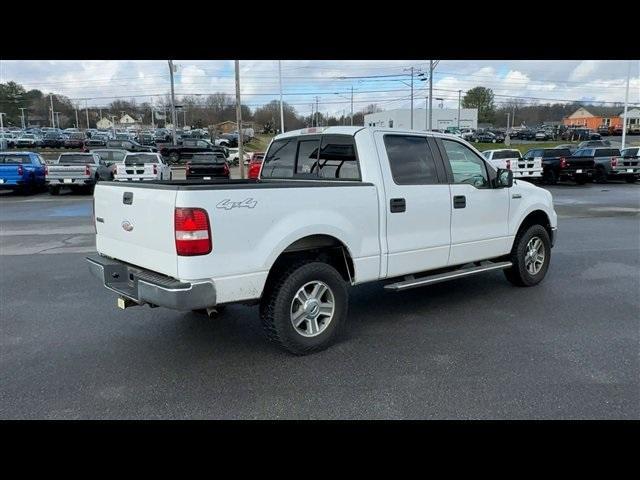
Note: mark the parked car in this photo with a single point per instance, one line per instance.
(111, 158)
(467, 133)
(207, 166)
(28, 140)
(611, 165)
(8, 139)
(96, 141)
(21, 171)
(617, 130)
(78, 171)
(75, 140)
(130, 146)
(147, 139)
(511, 159)
(293, 246)
(53, 140)
(542, 135)
(142, 166)
(485, 137)
(185, 151)
(559, 164)
(527, 134)
(577, 134)
(255, 162)
(629, 158)
(604, 130)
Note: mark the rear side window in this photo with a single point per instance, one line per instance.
(556, 152)
(338, 158)
(506, 154)
(411, 160)
(280, 159)
(307, 157)
(15, 159)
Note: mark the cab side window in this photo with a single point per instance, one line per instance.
(466, 166)
(411, 160)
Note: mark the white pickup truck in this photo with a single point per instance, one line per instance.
(511, 159)
(333, 207)
(141, 166)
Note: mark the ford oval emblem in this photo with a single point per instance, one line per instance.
(127, 226)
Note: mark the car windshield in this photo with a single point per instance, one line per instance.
(217, 159)
(76, 158)
(28, 136)
(140, 158)
(77, 136)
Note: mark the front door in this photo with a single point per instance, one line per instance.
(480, 213)
(418, 211)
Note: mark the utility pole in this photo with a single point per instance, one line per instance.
(430, 93)
(281, 106)
(411, 98)
(239, 119)
(77, 123)
(153, 125)
(53, 121)
(86, 110)
(113, 125)
(184, 117)
(352, 105)
(58, 118)
(22, 117)
(508, 117)
(624, 115)
(459, 97)
(317, 113)
(513, 116)
(173, 106)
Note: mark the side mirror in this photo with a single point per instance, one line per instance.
(505, 178)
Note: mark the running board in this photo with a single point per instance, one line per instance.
(412, 282)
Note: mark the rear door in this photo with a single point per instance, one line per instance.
(479, 212)
(417, 202)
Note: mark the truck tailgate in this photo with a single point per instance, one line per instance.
(136, 225)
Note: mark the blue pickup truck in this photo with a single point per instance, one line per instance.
(22, 171)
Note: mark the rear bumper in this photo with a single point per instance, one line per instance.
(134, 179)
(74, 181)
(144, 286)
(553, 236)
(622, 170)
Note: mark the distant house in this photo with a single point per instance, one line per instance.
(633, 119)
(594, 117)
(230, 127)
(128, 121)
(104, 124)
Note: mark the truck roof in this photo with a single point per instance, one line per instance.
(348, 130)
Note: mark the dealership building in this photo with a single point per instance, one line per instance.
(441, 118)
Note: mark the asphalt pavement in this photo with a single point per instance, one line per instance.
(475, 348)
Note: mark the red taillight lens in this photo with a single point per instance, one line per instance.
(193, 232)
(563, 163)
(614, 162)
(226, 169)
(87, 171)
(155, 169)
(20, 170)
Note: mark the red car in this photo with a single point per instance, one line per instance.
(255, 161)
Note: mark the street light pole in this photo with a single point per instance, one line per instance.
(239, 119)
(281, 106)
(77, 122)
(459, 97)
(173, 106)
(22, 117)
(86, 111)
(624, 115)
(53, 121)
(352, 105)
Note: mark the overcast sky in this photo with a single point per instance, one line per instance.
(385, 83)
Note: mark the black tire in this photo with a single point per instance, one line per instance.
(630, 179)
(581, 180)
(601, 175)
(518, 274)
(54, 190)
(277, 302)
(549, 177)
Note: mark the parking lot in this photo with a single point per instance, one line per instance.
(471, 348)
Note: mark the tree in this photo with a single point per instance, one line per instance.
(483, 99)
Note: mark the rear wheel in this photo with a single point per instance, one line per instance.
(549, 177)
(601, 175)
(630, 179)
(53, 190)
(306, 309)
(530, 256)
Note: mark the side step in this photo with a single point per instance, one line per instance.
(411, 282)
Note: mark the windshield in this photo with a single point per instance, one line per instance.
(140, 158)
(78, 158)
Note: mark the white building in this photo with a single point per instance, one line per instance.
(104, 124)
(633, 119)
(441, 118)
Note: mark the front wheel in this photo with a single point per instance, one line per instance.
(307, 307)
(530, 256)
(630, 179)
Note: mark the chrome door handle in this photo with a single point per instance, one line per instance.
(516, 195)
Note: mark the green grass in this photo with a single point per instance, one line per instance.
(259, 143)
(523, 147)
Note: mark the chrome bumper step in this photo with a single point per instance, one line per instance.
(411, 282)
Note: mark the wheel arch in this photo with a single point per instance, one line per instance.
(535, 217)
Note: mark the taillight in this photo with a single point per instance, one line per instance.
(20, 170)
(226, 168)
(563, 163)
(87, 171)
(614, 161)
(508, 164)
(193, 232)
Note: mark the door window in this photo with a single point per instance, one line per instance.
(466, 166)
(411, 160)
